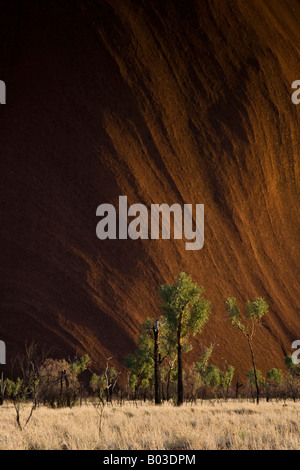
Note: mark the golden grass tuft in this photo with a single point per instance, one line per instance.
(232, 425)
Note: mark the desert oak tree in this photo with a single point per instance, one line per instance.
(186, 312)
(254, 313)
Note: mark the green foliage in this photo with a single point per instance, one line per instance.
(94, 382)
(213, 376)
(98, 384)
(232, 308)
(294, 369)
(186, 312)
(112, 374)
(146, 337)
(15, 389)
(185, 298)
(227, 377)
(141, 364)
(234, 315)
(202, 365)
(59, 380)
(275, 376)
(251, 377)
(141, 367)
(255, 310)
(80, 365)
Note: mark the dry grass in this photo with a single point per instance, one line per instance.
(232, 425)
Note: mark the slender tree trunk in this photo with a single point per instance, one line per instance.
(156, 364)
(67, 389)
(237, 387)
(156, 373)
(254, 369)
(168, 385)
(179, 358)
(60, 398)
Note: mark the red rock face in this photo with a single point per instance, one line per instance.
(163, 103)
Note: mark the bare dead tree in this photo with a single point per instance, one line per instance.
(157, 387)
(64, 379)
(99, 407)
(237, 387)
(110, 381)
